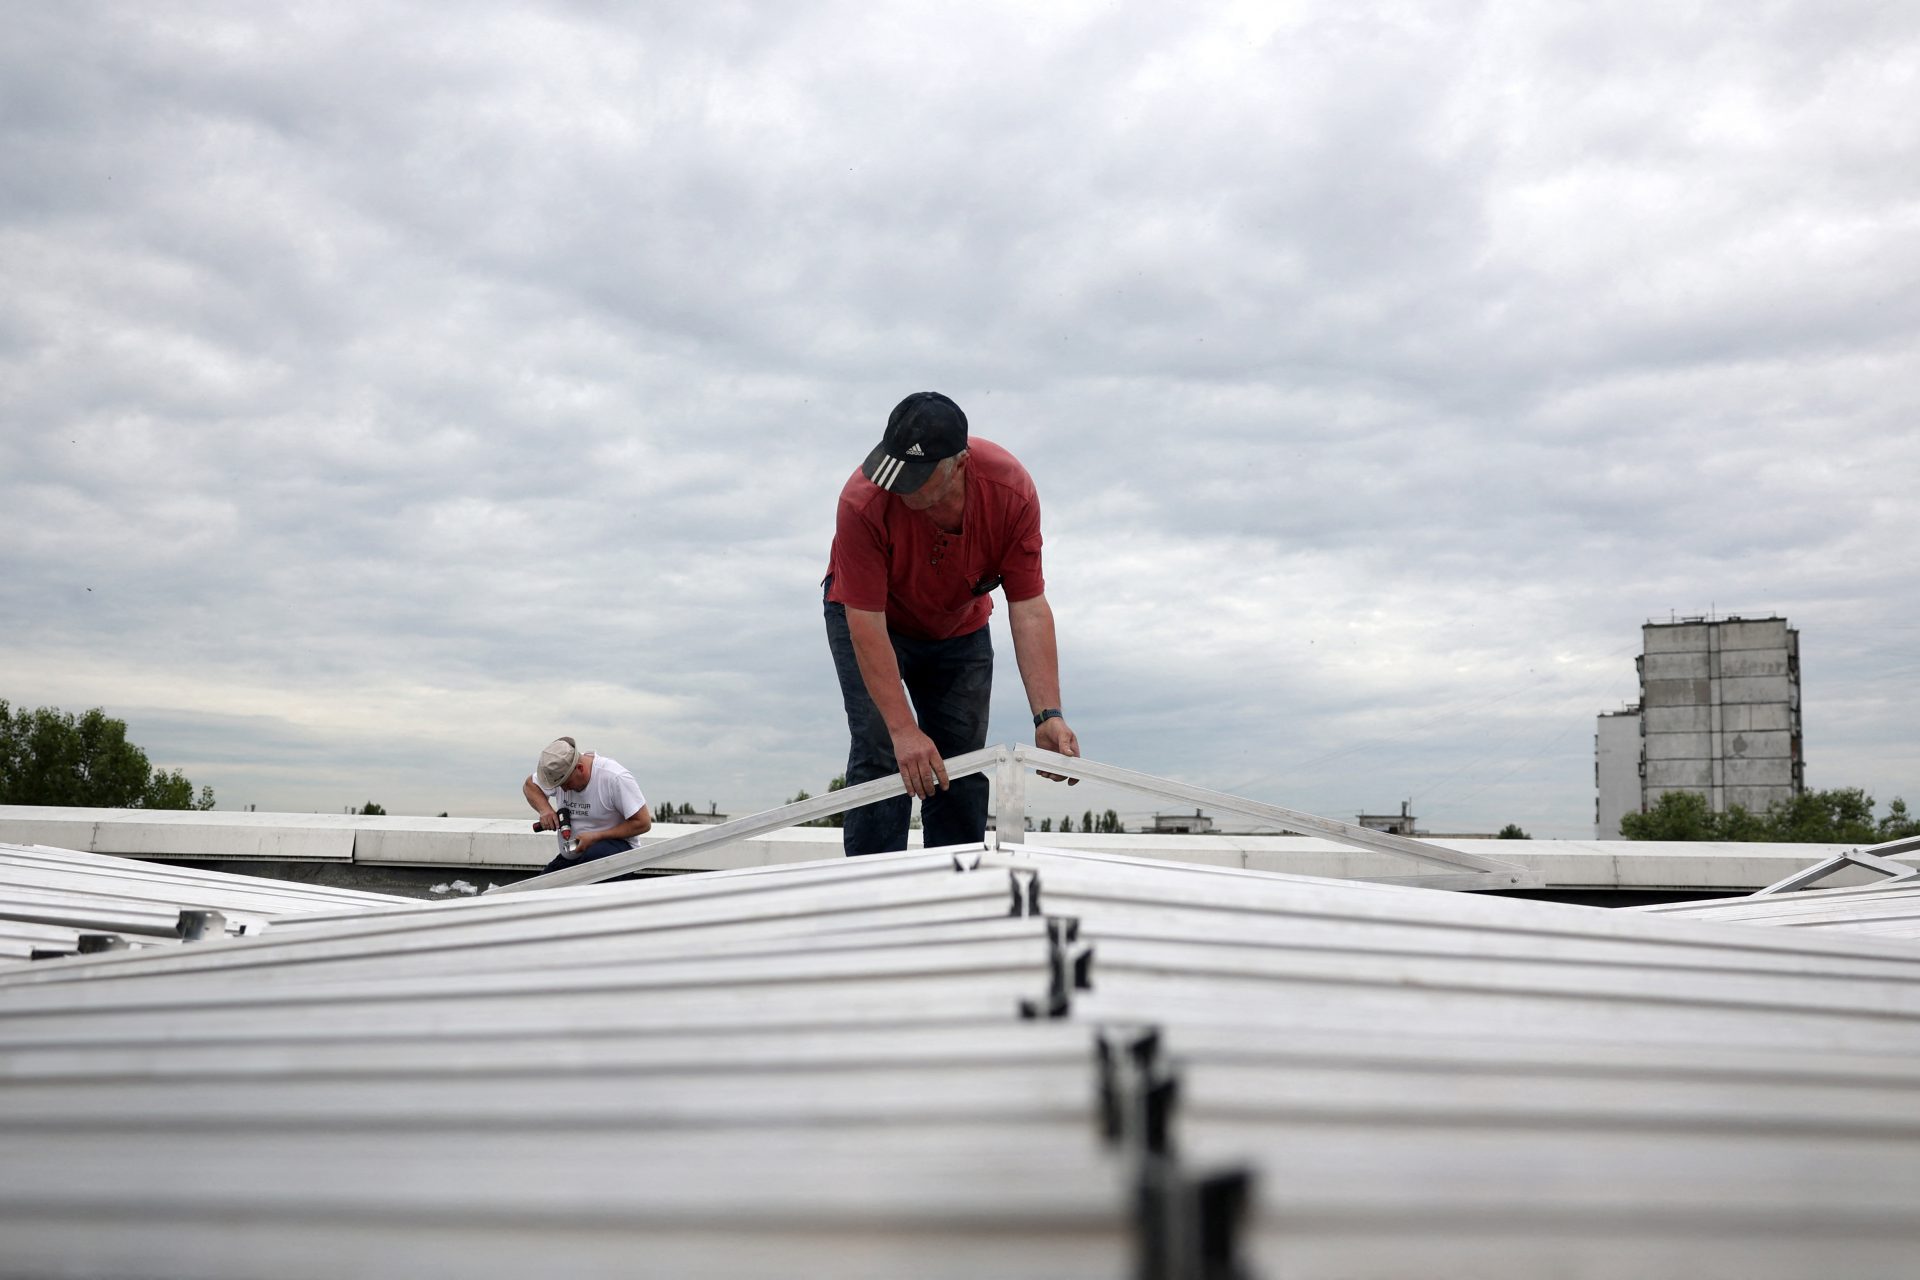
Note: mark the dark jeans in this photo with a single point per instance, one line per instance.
(949, 683)
(592, 853)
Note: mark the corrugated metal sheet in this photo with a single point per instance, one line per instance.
(57, 902)
(1026, 1062)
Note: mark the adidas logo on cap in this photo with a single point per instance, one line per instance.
(914, 451)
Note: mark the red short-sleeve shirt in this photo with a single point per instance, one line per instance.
(889, 558)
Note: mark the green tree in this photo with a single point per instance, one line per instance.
(1046, 824)
(1512, 831)
(1897, 825)
(173, 791)
(51, 758)
(370, 809)
(1676, 815)
(1741, 824)
(1843, 815)
(1066, 824)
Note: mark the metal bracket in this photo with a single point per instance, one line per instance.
(1190, 1224)
(1187, 1226)
(1069, 969)
(1009, 802)
(1026, 892)
(199, 923)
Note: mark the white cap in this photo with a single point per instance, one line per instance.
(556, 762)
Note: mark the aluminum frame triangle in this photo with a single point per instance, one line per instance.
(1009, 765)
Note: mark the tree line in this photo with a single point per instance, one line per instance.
(48, 757)
(1843, 815)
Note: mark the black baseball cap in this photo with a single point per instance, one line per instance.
(922, 430)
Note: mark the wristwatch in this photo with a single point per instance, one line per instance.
(1050, 713)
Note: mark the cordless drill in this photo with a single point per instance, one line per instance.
(564, 830)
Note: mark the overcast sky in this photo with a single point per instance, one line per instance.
(386, 391)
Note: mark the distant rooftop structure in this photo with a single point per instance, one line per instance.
(1181, 824)
(1399, 824)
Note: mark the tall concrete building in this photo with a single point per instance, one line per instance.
(1719, 714)
(1616, 769)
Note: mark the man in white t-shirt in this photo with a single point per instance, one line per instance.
(602, 798)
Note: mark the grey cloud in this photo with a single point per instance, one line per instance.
(524, 353)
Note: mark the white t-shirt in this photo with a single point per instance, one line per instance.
(610, 797)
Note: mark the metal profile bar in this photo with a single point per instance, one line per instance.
(1146, 917)
(791, 815)
(792, 896)
(1510, 874)
(928, 988)
(1305, 896)
(1907, 844)
(1852, 858)
(30, 866)
(640, 924)
(661, 888)
(994, 944)
(908, 1093)
(978, 923)
(89, 915)
(1010, 801)
(1456, 881)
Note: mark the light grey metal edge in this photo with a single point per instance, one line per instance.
(1506, 875)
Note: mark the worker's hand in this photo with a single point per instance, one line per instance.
(921, 767)
(547, 822)
(1054, 735)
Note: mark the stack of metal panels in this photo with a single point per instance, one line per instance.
(1451, 1085)
(817, 1071)
(1023, 1062)
(58, 902)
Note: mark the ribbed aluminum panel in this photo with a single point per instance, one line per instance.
(888, 1067)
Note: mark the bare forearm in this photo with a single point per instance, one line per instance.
(921, 768)
(873, 650)
(1033, 646)
(537, 798)
(1036, 650)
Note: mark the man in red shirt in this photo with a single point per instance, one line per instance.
(927, 527)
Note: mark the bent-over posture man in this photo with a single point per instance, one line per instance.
(601, 797)
(927, 527)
